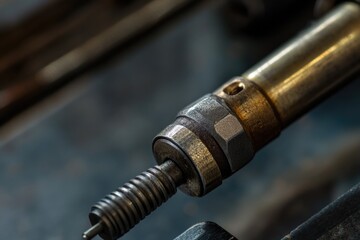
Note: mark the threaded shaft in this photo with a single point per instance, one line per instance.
(122, 209)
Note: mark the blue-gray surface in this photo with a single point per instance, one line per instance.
(53, 171)
(12, 10)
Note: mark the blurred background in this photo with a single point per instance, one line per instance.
(86, 85)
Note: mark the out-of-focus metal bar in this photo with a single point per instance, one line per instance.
(338, 220)
(143, 19)
(18, 97)
(316, 62)
(205, 230)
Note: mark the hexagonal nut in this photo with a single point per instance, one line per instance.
(234, 141)
(214, 115)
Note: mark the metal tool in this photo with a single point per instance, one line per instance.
(205, 230)
(338, 220)
(219, 134)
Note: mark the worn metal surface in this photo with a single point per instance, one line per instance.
(205, 231)
(212, 114)
(202, 174)
(254, 110)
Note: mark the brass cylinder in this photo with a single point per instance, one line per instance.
(317, 61)
(283, 86)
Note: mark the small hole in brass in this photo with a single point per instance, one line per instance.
(233, 88)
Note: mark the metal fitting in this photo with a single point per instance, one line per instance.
(258, 117)
(191, 154)
(222, 124)
(207, 141)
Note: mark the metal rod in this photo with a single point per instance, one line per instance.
(121, 210)
(93, 231)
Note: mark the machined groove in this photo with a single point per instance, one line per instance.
(122, 209)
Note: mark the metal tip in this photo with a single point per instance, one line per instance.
(85, 237)
(92, 232)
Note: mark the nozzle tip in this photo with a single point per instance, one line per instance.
(92, 232)
(85, 237)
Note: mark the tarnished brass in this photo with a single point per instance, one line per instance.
(282, 87)
(314, 63)
(254, 111)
